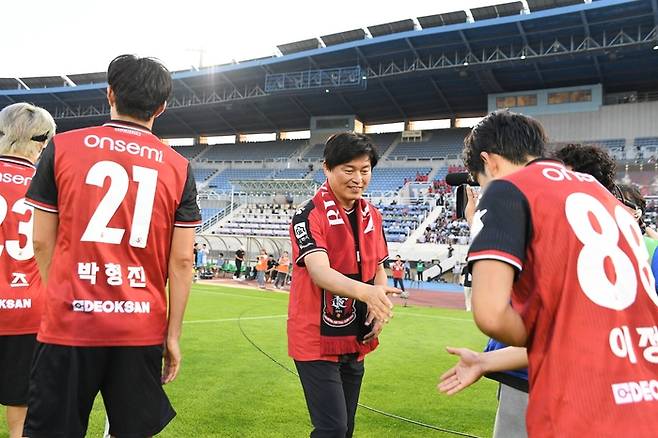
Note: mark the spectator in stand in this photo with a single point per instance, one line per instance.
(261, 267)
(239, 258)
(451, 250)
(282, 270)
(420, 268)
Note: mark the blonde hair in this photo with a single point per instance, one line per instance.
(23, 130)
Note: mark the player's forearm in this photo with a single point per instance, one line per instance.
(44, 240)
(381, 279)
(180, 279)
(505, 359)
(505, 325)
(493, 314)
(329, 279)
(181, 270)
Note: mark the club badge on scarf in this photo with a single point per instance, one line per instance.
(338, 311)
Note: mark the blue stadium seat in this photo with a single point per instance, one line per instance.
(222, 180)
(439, 144)
(291, 173)
(200, 175)
(392, 178)
(190, 152)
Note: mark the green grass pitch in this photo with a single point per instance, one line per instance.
(227, 388)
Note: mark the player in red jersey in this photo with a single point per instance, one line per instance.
(115, 211)
(570, 259)
(24, 131)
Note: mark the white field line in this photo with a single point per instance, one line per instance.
(246, 318)
(419, 315)
(234, 295)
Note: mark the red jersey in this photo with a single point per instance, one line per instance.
(20, 283)
(398, 270)
(310, 232)
(119, 192)
(586, 294)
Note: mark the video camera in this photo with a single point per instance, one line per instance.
(460, 180)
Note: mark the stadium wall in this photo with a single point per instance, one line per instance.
(626, 121)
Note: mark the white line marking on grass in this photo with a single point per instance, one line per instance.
(422, 315)
(202, 321)
(232, 295)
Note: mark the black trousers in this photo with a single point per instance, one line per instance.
(332, 392)
(400, 282)
(238, 267)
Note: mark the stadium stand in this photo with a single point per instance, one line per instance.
(315, 152)
(401, 220)
(253, 151)
(202, 174)
(258, 220)
(291, 173)
(392, 178)
(439, 143)
(646, 147)
(190, 152)
(207, 213)
(613, 144)
(222, 181)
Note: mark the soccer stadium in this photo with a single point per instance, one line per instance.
(254, 131)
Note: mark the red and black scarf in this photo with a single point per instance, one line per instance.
(342, 319)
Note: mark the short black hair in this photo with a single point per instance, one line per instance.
(343, 147)
(140, 85)
(513, 136)
(590, 159)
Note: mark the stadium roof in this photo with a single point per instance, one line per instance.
(443, 70)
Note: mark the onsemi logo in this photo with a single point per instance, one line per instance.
(15, 179)
(98, 306)
(94, 141)
(635, 392)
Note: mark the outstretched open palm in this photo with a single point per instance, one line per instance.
(466, 372)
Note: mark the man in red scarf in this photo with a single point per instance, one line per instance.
(338, 297)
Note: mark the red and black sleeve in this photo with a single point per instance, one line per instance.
(187, 213)
(42, 193)
(502, 225)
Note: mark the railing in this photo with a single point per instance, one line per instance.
(208, 224)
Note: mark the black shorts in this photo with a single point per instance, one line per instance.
(64, 382)
(15, 359)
